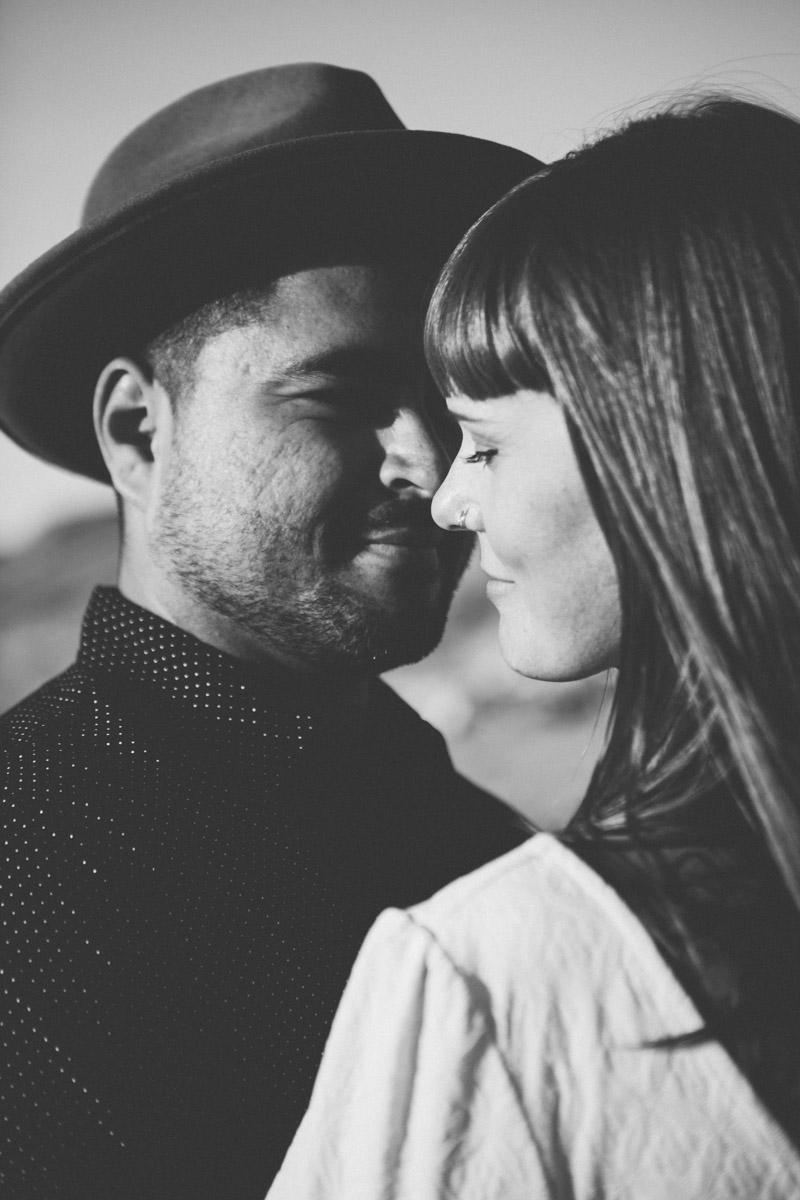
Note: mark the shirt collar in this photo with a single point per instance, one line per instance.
(123, 640)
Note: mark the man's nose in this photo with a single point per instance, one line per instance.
(414, 458)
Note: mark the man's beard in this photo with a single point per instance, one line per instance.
(325, 627)
(260, 579)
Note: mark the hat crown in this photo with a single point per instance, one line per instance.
(259, 108)
(233, 182)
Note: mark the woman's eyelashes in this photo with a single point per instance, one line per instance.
(479, 456)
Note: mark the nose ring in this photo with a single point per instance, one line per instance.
(461, 523)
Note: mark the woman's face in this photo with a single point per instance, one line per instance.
(550, 572)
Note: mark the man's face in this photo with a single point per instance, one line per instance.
(293, 499)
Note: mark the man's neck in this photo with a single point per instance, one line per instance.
(338, 698)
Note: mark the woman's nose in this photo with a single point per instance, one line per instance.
(450, 507)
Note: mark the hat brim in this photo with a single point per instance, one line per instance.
(117, 282)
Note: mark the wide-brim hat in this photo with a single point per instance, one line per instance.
(236, 182)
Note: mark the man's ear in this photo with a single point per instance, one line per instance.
(132, 419)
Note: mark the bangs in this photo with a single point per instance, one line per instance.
(480, 337)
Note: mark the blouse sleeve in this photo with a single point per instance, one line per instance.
(413, 1100)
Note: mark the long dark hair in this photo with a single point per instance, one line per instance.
(651, 283)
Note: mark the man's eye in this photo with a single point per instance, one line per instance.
(443, 424)
(479, 456)
(345, 404)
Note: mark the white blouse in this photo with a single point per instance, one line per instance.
(493, 1043)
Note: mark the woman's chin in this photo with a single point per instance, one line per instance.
(556, 660)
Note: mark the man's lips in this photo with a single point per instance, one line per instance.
(414, 538)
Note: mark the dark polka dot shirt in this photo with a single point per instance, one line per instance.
(189, 867)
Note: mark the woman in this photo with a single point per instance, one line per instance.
(614, 1012)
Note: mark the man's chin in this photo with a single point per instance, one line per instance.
(384, 640)
(404, 654)
(398, 617)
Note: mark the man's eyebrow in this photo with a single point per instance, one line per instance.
(346, 361)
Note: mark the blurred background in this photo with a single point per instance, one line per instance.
(77, 75)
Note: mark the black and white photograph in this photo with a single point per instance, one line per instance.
(399, 600)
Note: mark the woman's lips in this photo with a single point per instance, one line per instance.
(495, 585)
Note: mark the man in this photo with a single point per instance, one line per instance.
(207, 811)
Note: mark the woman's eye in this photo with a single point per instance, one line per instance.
(480, 456)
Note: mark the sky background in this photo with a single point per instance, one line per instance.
(77, 75)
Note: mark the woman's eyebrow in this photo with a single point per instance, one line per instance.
(475, 412)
